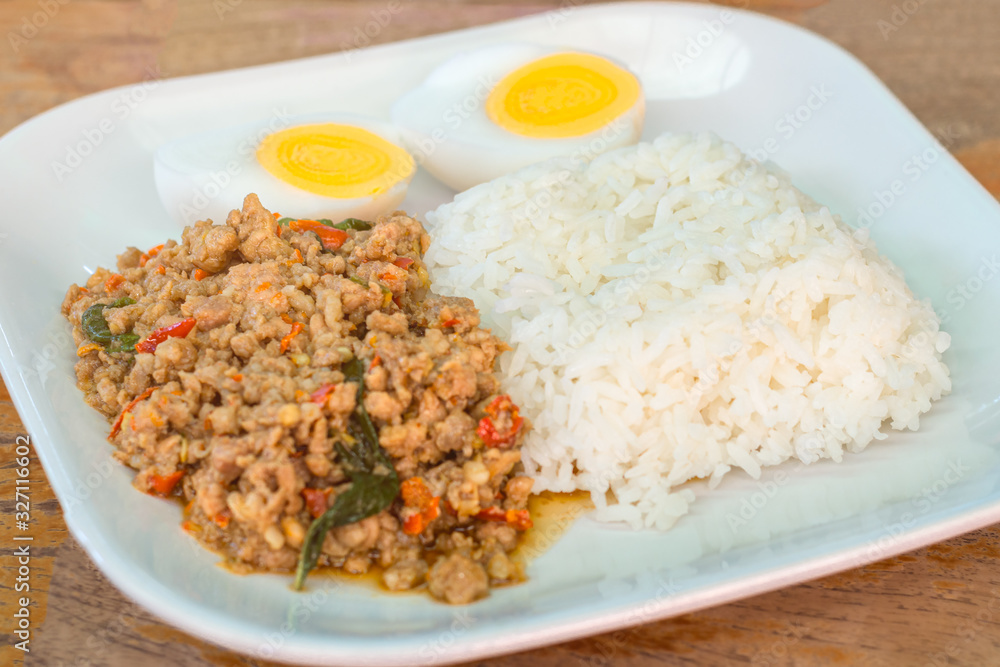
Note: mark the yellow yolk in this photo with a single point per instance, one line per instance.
(333, 160)
(562, 95)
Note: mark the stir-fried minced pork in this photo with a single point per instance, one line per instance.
(221, 361)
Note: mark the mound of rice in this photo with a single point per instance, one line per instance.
(677, 310)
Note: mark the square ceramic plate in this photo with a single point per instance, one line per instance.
(768, 86)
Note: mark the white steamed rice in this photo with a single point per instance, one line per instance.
(677, 310)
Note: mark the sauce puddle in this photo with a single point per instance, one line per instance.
(551, 513)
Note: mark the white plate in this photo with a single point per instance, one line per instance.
(902, 493)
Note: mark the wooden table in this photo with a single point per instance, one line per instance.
(936, 606)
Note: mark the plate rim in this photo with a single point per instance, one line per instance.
(185, 613)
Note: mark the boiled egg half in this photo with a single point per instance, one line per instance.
(488, 112)
(318, 166)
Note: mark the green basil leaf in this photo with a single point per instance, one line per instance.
(354, 371)
(353, 223)
(367, 496)
(95, 327)
(350, 457)
(123, 343)
(374, 482)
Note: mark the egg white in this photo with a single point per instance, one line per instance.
(206, 175)
(446, 128)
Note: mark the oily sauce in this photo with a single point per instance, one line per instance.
(551, 513)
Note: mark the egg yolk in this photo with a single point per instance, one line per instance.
(332, 160)
(562, 95)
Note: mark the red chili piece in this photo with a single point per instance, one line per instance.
(222, 518)
(320, 395)
(331, 238)
(162, 485)
(517, 519)
(128, 408)
(176, 330)
(316, 500)
(287, 340)
(487, 430)
(423, 506)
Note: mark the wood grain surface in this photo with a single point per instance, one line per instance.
(936, 606)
